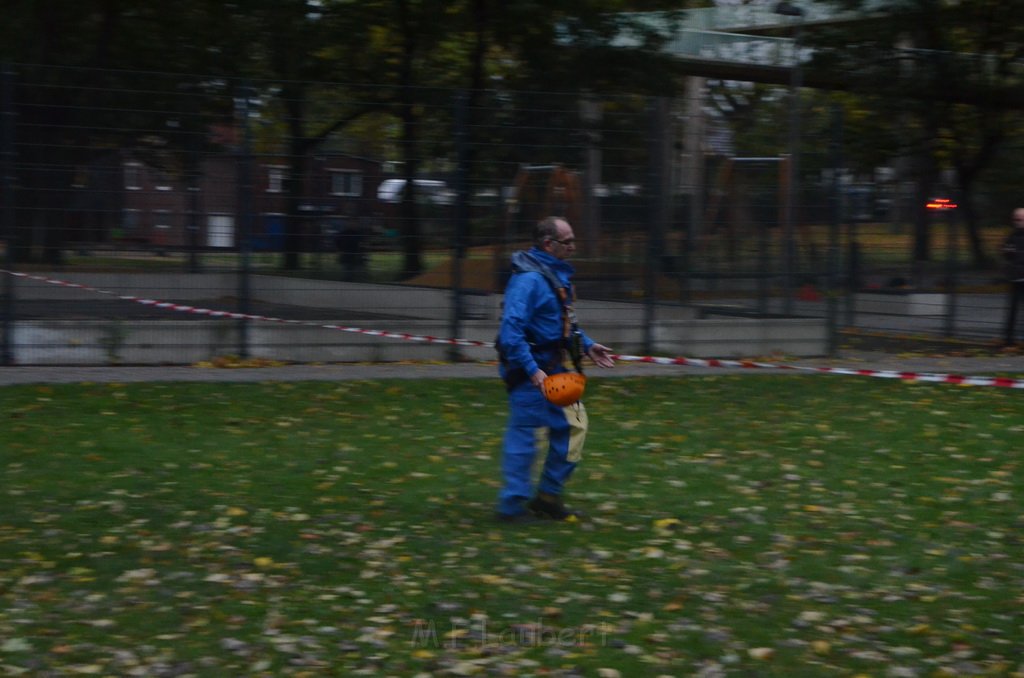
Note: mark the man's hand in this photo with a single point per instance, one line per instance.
(601, 355)
(538, 377)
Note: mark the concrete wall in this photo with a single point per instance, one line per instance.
(399, 300)
(179, 286)
(426, 312)
(910, 303)
(79, 342)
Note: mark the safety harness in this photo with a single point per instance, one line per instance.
(570, 342)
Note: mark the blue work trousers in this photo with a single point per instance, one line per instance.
(536, 425)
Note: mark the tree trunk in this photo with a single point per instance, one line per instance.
(969, 217)
(967, 171)
(924, 186)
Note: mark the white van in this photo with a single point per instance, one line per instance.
(427, 190)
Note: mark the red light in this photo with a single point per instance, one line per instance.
(941, 204)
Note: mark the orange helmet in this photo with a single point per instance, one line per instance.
(565, 388)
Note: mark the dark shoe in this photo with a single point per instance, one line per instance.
(551, 507)
(524, 518)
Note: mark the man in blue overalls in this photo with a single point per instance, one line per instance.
(537, 328)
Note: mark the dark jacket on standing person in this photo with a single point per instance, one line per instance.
(1013, 252)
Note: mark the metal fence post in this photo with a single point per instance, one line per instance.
(195, 169)
(951, 271)
(244, 212)
(657, 201)
(461, 219)
(696, 181)
(791, 256)
(7, 207)
(832, 298)
(590, 228)
(853, 273)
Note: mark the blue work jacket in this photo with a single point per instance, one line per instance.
(531, 323)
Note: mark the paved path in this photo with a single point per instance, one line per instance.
(1009, 364)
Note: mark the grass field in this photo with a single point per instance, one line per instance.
(738, 525)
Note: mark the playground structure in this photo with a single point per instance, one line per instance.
(537, 191)
(740, 233)
(743, 224)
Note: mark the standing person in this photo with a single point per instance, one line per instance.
(538, 329)
(1013, 252)
(349, 242)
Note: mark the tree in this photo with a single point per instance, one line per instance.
(368, 58)
(945, 73)
(291, 56)
(74, 101)
(327, 64)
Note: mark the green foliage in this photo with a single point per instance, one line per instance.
(936, 88)
(754, 525)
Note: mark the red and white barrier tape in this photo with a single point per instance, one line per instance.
(959, 379)
(232, 315)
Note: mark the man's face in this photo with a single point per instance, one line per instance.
(1018, 218)
(563, 245)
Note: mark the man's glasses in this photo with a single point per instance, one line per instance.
(566, 242)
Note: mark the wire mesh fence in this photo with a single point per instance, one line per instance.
(323, 203)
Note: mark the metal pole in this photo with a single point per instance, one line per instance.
(853, 265)
(461, 220)
(764, 265)
(790, 258)
(7, 119)
(244, 212)
(194, 266)
(793, 199)
(951, 271)
(195, 171)
(695, 180)
(832, 300)
(656, 209)
(590, 229)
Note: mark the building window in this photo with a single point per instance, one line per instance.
(162, 219)
(131, 223)
(275, 179)
(346, 183)
(220, 230)
(133, 176)
(161, 180)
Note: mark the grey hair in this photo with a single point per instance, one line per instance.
(546, 228)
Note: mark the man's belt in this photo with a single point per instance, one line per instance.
(517, 376)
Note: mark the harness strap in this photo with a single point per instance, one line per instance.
(571, 340)
(570, 329)
(570, 325)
